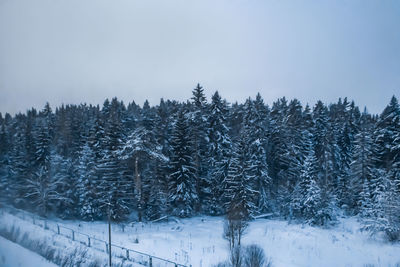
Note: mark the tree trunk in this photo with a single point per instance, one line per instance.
(138, 188)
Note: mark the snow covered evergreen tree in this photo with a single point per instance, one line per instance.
(255, 138)
(5, 164)
(383, 216)
(278, 157)
(114, 190)
(306, 197)
(20, 170)
(198, 128)
(41, 189)
(157, 204)
(362, 164)
(239, 195)
(386, 133)
(87, 185)
(326, 153)
(219, 150)
(182, 178)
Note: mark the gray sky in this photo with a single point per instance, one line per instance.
(73, 51)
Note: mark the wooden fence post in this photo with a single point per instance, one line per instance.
(73, 235)
(127, 254)
(58, 229)
(150, 262)
(88, 241)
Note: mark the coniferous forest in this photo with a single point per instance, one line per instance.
(302, 163)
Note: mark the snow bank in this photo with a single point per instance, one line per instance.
(12, 255)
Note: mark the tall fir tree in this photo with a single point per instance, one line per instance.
(362, 165)
(87, 185)
(182, 178)
(255, 137)
(198, 129)
(114, 190)
(239, 196)
(219, 150)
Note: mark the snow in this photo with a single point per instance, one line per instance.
(198, 241)
(64, 246)
(13, 255)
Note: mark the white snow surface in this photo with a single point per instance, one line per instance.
(198, 241)
(13, 255)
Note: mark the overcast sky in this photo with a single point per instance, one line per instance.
(73, 51)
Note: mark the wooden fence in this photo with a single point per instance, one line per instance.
(93, 242)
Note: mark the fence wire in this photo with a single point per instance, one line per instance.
(93, 242)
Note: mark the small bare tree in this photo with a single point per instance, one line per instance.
(42, 190)
(234, 229)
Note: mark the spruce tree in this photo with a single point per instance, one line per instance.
(386, 136)
(182, 180)
(5, 164)
(362, 164)
(198, 122)
(114, 190)
(255, 137)
(157, 205)
(239, 195)
(87, 185)
(219, 149)
(306, 197)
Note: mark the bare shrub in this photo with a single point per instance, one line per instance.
(223, 264)
(254, 256)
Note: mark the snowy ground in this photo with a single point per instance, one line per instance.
(198, 241)
(13, 255)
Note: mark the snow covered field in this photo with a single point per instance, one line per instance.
(13, 255)
(198, 241)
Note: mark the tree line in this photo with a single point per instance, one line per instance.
(198, 157)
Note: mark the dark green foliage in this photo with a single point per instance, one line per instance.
(196, 157)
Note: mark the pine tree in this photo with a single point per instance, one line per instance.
(41, 190)
(364, 200)
(157, 204)
(254, 134)
(182, 192)
(362, 164)
(240, 197)
(218, 153)
(293, 154)
(5, 164)
(387, 132)
(20, 169)
(114, 190)
(384, 214)
(306, 197)
(142, 153)
(198, 131)
(62, 170)
(87, 185)
(326, 153)
(278, 154)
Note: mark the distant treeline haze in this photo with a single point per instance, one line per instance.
(199, 157)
